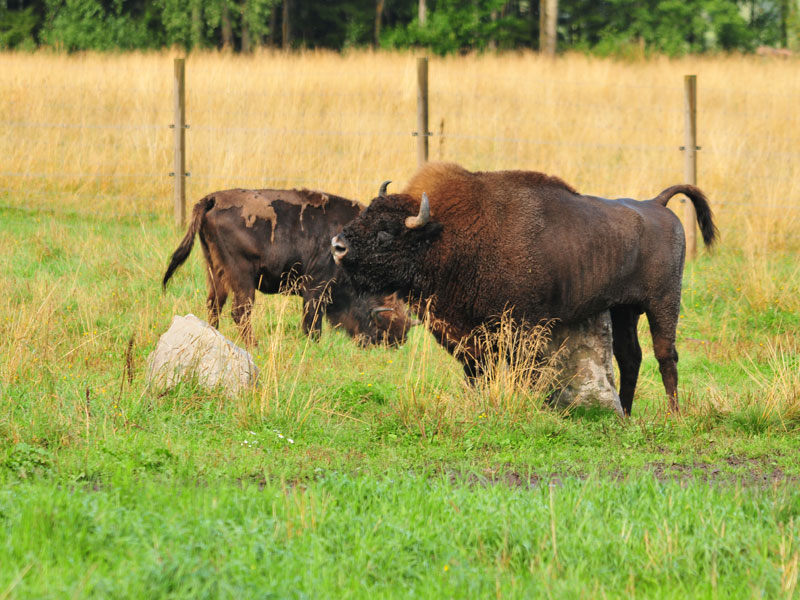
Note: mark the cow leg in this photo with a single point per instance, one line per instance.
(627, 351)
(217, 296)
(313, 309)
(663, 325)
(243, 299)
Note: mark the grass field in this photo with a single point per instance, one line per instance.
(353, 472)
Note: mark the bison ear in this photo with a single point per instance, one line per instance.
(424, 214)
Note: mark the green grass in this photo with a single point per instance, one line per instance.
(398, 535)
(399, 480)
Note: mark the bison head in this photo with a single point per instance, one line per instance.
(383, 250)
(375, 319)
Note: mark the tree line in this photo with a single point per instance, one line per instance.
(672, 27)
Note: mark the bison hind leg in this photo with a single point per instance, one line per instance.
(667, 357)
(627, 351)
(217, 296)
(243, 298)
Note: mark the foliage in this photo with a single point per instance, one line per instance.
(17, 28)
(93, 24)
(673, 27)
(670, 26)
(455, 26)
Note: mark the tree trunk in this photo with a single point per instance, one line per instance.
(246, 43)
(197, 25)
(273, 25)
(784, 23)
(227, 30)
(378, 18)
(548, 20)
(423, 12)
(286, 31)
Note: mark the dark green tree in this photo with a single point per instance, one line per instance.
(601, 26)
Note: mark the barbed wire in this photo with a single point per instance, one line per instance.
(24, 124)
(89, 213)
(391, 90)
(93, 196)
(711, 151)
(742, 231)
(748, 203)
(313, 181)
(283, 131)
(278, 130)
(83, 175)
(160, 215)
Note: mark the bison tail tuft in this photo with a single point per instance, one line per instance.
(182, 253)
(705, 219)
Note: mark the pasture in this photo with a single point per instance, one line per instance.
(357, 472)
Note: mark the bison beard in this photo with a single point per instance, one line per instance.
(277, 240)
(523, 241)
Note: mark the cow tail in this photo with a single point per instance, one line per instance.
(704, 217)
(182, 253)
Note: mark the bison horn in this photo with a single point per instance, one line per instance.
(424, 214)
(381, 309)
(382, 191)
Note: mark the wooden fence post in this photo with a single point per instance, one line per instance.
(690, 169)
(179, 188)
(422, 111)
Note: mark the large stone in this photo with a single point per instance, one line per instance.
(193, 350)
(587, 372)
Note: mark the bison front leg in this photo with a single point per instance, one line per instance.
(627, 351)
(467, 350)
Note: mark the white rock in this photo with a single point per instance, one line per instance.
(587, 375)
(191, 349)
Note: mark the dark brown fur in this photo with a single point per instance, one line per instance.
(530, 243)
(277, 240)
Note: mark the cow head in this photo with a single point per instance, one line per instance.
(384, 248)
(375, 319)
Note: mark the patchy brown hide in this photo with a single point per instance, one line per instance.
(278, 240)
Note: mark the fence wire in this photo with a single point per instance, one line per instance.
(313, 179)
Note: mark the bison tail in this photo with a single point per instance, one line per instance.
(182, 253)
(701, 208)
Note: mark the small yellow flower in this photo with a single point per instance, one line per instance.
(446, 568)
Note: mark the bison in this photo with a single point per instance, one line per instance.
(273, 240)
(468, 246)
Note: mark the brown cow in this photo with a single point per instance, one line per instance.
(278, 240)
(488, 242)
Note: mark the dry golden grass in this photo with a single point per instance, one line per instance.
(90, 132)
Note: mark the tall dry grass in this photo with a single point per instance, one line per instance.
(90, 132)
